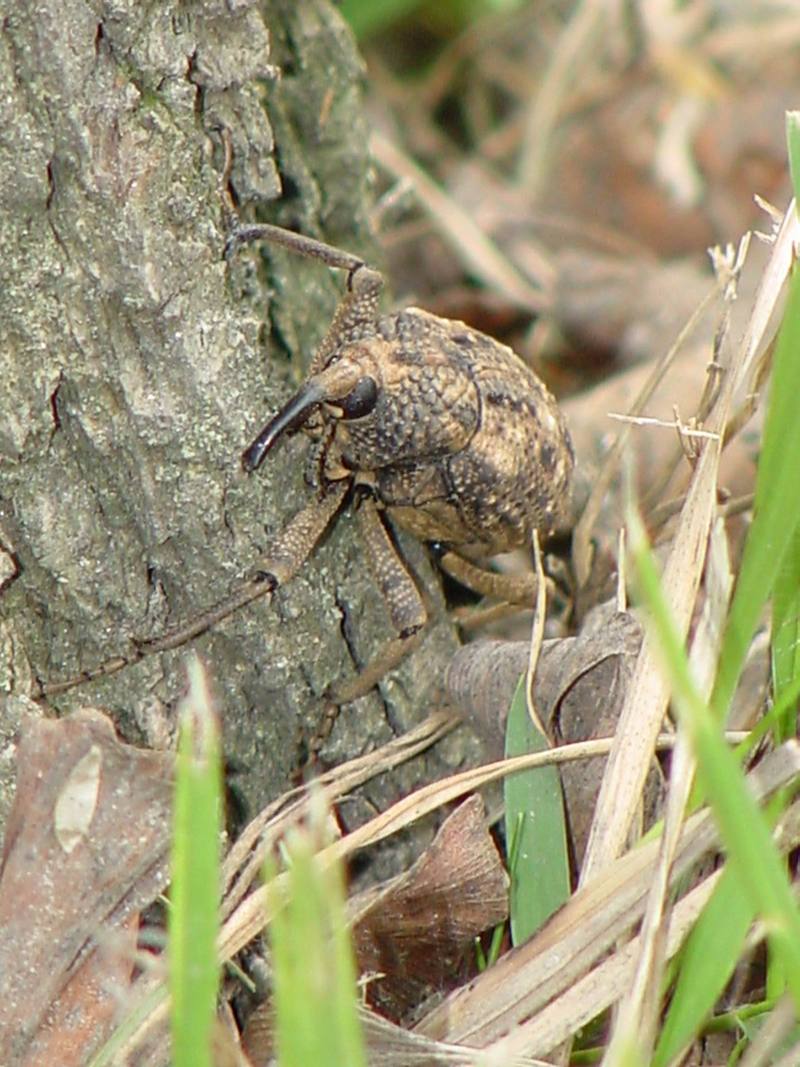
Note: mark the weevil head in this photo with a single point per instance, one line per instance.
(345, 389)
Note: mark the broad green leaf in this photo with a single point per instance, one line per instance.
(535, 829)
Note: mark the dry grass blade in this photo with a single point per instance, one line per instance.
(582, 551)
(580, 40)
(244, 861)
(761, 324)
(537, 633)
(639, 1011)
(388, 1045)
(249, 918)
(648, 694)
(600, 987)
(479, 253)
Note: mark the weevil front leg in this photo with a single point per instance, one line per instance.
(357, 313)
(295, 543)
(287, 554)
(406, 608)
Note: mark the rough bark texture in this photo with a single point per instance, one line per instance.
(136, 364)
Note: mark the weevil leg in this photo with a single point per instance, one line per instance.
(391, 655)
(252, 589)
(357, 313)
(292, 547)
(290, 550)
(295, 242)
(515, 588)
(397, 587)
(288, 553)
(403, 599)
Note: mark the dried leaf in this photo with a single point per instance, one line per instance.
(413, 933)
(85, 849)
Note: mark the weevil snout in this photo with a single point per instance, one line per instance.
(344, 387)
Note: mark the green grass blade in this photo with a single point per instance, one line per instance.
(707, 962)
(743, 828)
(786, 633)
(776, 514)
(534, 818)
(316, 1019)
(194, 896)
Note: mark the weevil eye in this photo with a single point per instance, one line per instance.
(360, 401)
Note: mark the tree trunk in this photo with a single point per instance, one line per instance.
(136, 364)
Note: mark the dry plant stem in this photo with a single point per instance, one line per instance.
(243, 863)
(737, 505)
(729, 275)
(481, 255)
(475, 38)
(581, 540)
(647, 696)
(582, 38)
(730, 41)
(611, 980)
(250, 916)
(537, 635)
(636, 1022)
(758, 336)
(648, 692)
(588, 996)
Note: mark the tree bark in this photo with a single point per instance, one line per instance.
(136, 364)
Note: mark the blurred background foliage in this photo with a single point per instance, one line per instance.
(547, 170)
(445, 18)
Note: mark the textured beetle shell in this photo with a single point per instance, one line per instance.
(465, 445)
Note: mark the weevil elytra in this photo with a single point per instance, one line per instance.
(426, 423)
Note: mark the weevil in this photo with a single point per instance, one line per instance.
(425, 423)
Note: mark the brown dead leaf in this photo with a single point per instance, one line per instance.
(85, 849)
(412, 934)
